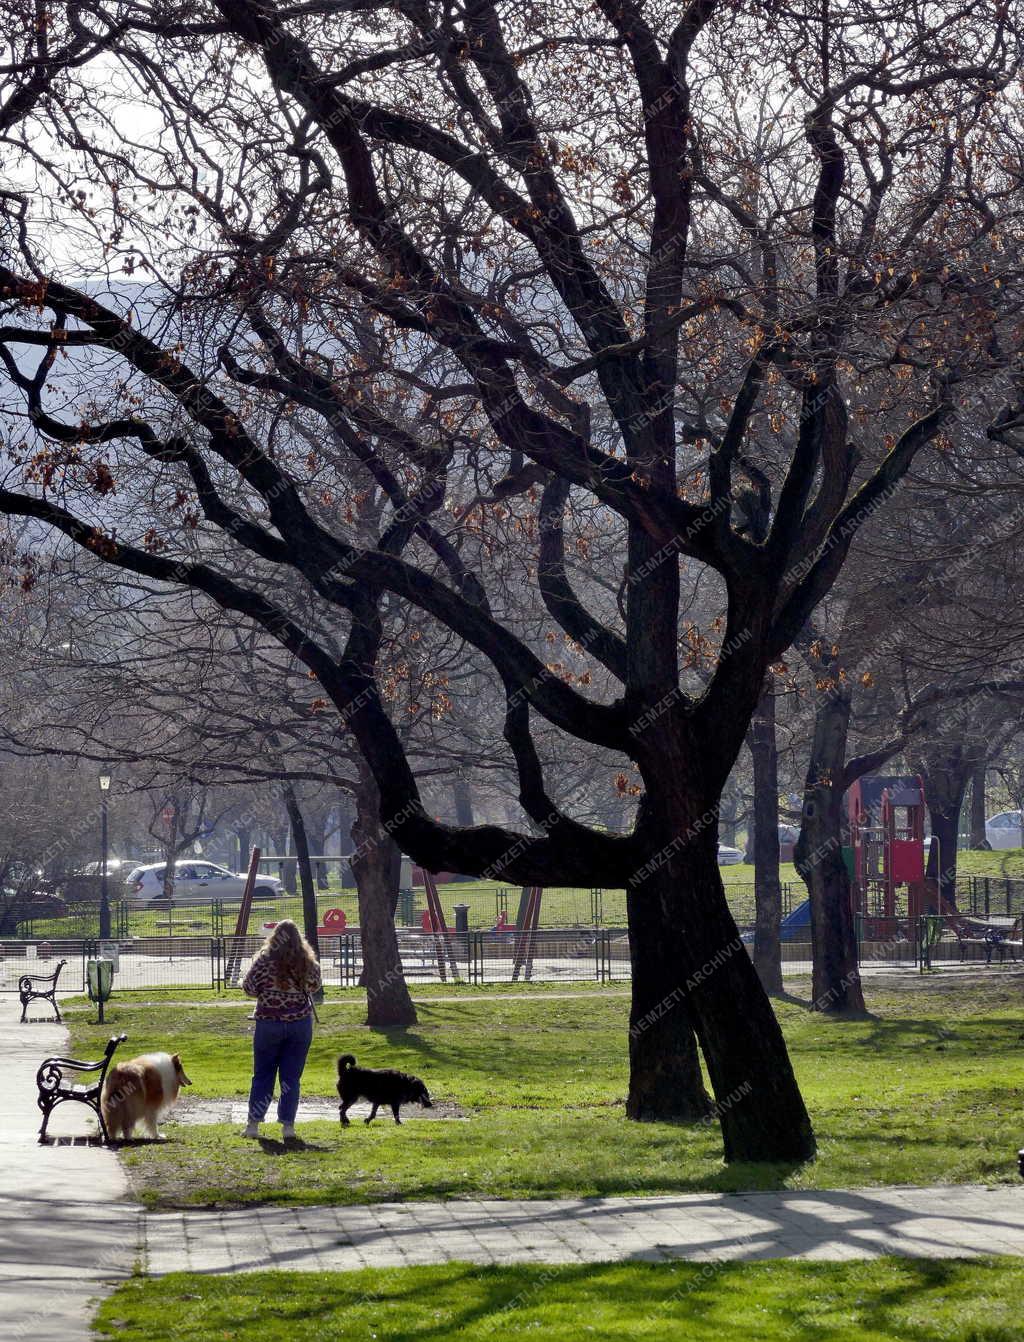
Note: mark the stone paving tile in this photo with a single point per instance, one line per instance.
(836, 1225)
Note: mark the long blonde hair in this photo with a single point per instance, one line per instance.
(290, 954)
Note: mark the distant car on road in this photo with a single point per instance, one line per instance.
(114, 866)
(1005, 830)
(196, 878)
(23, 906)
(788, 835)
(728, 857)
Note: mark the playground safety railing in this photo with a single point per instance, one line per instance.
(567, 955)
(887, 940)
(970, 939)
(987, 895)
(551, 955)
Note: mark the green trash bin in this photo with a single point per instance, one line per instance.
(99, 978)
(406, 906)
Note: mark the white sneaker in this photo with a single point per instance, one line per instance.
(251, 1130)
(288, 1132)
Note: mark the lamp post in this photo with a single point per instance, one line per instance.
(104, 888)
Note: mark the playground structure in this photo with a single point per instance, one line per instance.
(445, 941)
(886, 852)
(524, 931)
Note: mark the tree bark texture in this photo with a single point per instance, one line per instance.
(767, 885)
(948, 769)
(692, 973)
(836, 984)
(375, 866)
(979, 835)
(300, 840)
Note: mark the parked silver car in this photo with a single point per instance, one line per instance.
(1004, 830)
(199, 878)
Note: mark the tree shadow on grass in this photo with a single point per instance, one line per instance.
(273, 1146)
(807, 1004)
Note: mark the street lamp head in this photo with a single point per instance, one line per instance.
(104, 782)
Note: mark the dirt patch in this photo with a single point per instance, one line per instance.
(190, 1110)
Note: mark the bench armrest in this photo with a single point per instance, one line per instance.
(52, 974)
(76, 1063)
(51, 1070)
(42, 978)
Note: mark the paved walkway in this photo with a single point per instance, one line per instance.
(912, 1222)
(66, 1232)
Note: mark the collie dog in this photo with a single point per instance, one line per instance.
(379, 1086)
(139, 1091)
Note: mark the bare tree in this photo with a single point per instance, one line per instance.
(513, 266)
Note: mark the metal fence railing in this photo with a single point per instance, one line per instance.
(988, 895)
(966, 938)
(552, 955)
(21, 957)
(191, 916)
(567, 955)
(156, 964)
(887, 940)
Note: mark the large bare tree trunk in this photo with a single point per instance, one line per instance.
(310, 918)
(345, 841)
(692, 972)
(243, 837)
(316, 831)
(767, 886)
(979, 836)
(948, 769)
(836, 986)
(729, 815)
(665, 1079)
(375, 866)
(462, 796)
(757, 1100)
(171, 849)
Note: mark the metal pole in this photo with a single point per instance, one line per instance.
(104, 884)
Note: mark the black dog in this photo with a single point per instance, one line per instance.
(379, 1086)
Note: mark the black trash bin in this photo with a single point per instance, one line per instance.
(461, 938)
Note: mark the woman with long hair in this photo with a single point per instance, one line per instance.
(283, 977)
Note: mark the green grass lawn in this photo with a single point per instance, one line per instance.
(460, 988)
(880, 1301)
(929, 1090)
(1005, 862)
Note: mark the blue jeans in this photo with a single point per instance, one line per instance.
(279, 1049)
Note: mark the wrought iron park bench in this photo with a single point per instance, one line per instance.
(60, 1079)
(46, 994)
(999, 936)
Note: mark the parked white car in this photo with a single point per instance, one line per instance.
(1005, 830)
(728, 857)
(196, 878)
